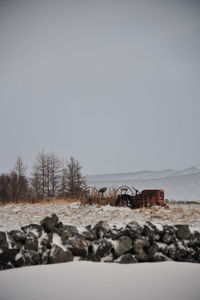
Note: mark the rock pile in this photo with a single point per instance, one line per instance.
(53, 242)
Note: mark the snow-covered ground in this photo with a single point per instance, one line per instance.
(100, 281)
(178, 184)
(87, 280)
(15, 216)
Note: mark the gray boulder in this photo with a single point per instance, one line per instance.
(140, 246)
(122, 246)
(183, 232)
(34, 229)
(58, 255)
(31, 243)
(126, 259)
(3, 241)
(103, 249)
(49, 223)
(7, 258)
(78, 246)
(17, 235)
(102, 229)
(134, 229)
(27, 258)
(169, 235)
(70, 231)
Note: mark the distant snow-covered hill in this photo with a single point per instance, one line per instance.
(178, 184)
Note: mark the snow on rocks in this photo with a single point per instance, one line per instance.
(53, 242)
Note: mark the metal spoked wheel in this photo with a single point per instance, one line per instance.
(89, 195)
(122, 190)
(124, 196)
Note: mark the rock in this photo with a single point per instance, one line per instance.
(62, 233)
(140, 245)
(45, 256)
(17, 238)
(108, 259)
(115, 233)
(27, 258)
(34, 229)
(102, 229)
(194, 239)
(58, 255)
(152, 250)
(49, 223)
(89, 235)
(78, 246)
(183, 232)
(17, 235)
(179, 252)
(169, 235)
(7, 258)
(196, 256)
(126, 259)
(103, 249)
(152, 232)
(71, 231)
(3, 241)
(31, 243)
(159, 257)
(46, 241)
(134, 229)
(60, 225)
(122, 245)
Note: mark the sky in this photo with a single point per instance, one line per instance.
(115, 84)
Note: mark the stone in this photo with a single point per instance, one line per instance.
(78, 246)
(152, 250)
(169, 235)
(3, 241)
(103, 249)
(183, 232)
(31, 243)
(34, 229)
(194, 240)
(122, 245)
(89, 235)
(152, 232)
(178, 251)
(7, 258)
(134, 229)
(17, 235)
(140, 246)
(102, 229)
(159, 257)
(71, 231)
(27, 258)
(49, 223)
(58, 255)
(62, 233)
(126, 259)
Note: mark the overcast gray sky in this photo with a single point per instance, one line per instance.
(116, 84)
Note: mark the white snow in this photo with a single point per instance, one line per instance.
(87, 280)
(15, 216)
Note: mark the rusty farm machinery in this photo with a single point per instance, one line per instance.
(125, 196)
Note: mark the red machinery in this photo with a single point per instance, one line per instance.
(138, 199)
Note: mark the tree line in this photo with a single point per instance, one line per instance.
(50, 178)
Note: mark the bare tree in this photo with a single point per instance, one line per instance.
(46, 175)
(54, 174)
(74, 179)
(19, 175)
(63, 183)
(39, 178)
